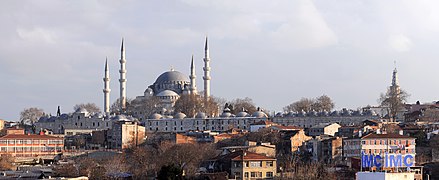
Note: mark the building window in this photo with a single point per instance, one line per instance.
(246, 174)
(269, 163)
(246, 163)
(255, 163)
(269, 174)
(255, 174)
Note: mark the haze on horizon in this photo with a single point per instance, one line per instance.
(53, 52)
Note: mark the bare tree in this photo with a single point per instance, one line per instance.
(394, 101)
(190, 104)
(6, 162)
(31, 115)
(115, 107)
(90, 107)
(323, 103)
(238, 104)
(304, 104)
(145, 106)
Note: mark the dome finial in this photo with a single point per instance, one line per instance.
(172, 68)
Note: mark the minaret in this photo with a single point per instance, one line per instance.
(122, 80)
(106, 88)
(193, 86)
(206, 69)
(395, 89)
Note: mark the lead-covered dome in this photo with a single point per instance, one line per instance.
(171, 76)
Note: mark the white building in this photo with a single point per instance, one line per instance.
(324, 128)
(179, 122)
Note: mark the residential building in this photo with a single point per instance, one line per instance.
(290, 143)
(19, 144)
(244, 165)
(254, 127)
(382, 144)
(324, 128)
(327, 149)
(125, 134)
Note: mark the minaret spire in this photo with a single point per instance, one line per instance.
(122, 79)
(395, 89)
(206, 69)
(193, 86)
(106, 88)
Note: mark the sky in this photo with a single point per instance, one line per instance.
(275, 52)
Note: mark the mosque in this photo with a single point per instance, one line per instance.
(168, 87)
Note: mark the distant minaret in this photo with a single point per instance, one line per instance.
(193, 86)
(394, 88)
(106, 88)
(206, 69)
(123, 80)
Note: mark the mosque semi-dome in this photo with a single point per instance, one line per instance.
(168, 93)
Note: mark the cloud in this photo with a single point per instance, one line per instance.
(305, 28)
(36, 34)
(400, 42)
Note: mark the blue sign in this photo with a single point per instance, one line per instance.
(392, 160)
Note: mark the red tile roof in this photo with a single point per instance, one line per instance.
(286, 127)
(30, 136)
(393, 136)
(244, 155)
(263, 123)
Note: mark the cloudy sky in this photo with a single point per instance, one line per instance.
(275, 52)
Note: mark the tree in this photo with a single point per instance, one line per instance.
(393, 100)
(169, 172)
(319, 104)
(31, 115)
(191, 104)
(115, 107)
(304, 104)
(238, 104)
(6, 162)
(145, 106)
(323, 103)
(90, 107)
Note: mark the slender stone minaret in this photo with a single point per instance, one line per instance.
(106, 88)
(206, 69)
(123, 80)
(193, 86)
(395, 89)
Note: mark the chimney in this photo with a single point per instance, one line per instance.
(360, 133)
(378, 131)
(41, 132)
(401, 132)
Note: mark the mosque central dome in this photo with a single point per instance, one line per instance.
(171, 76)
